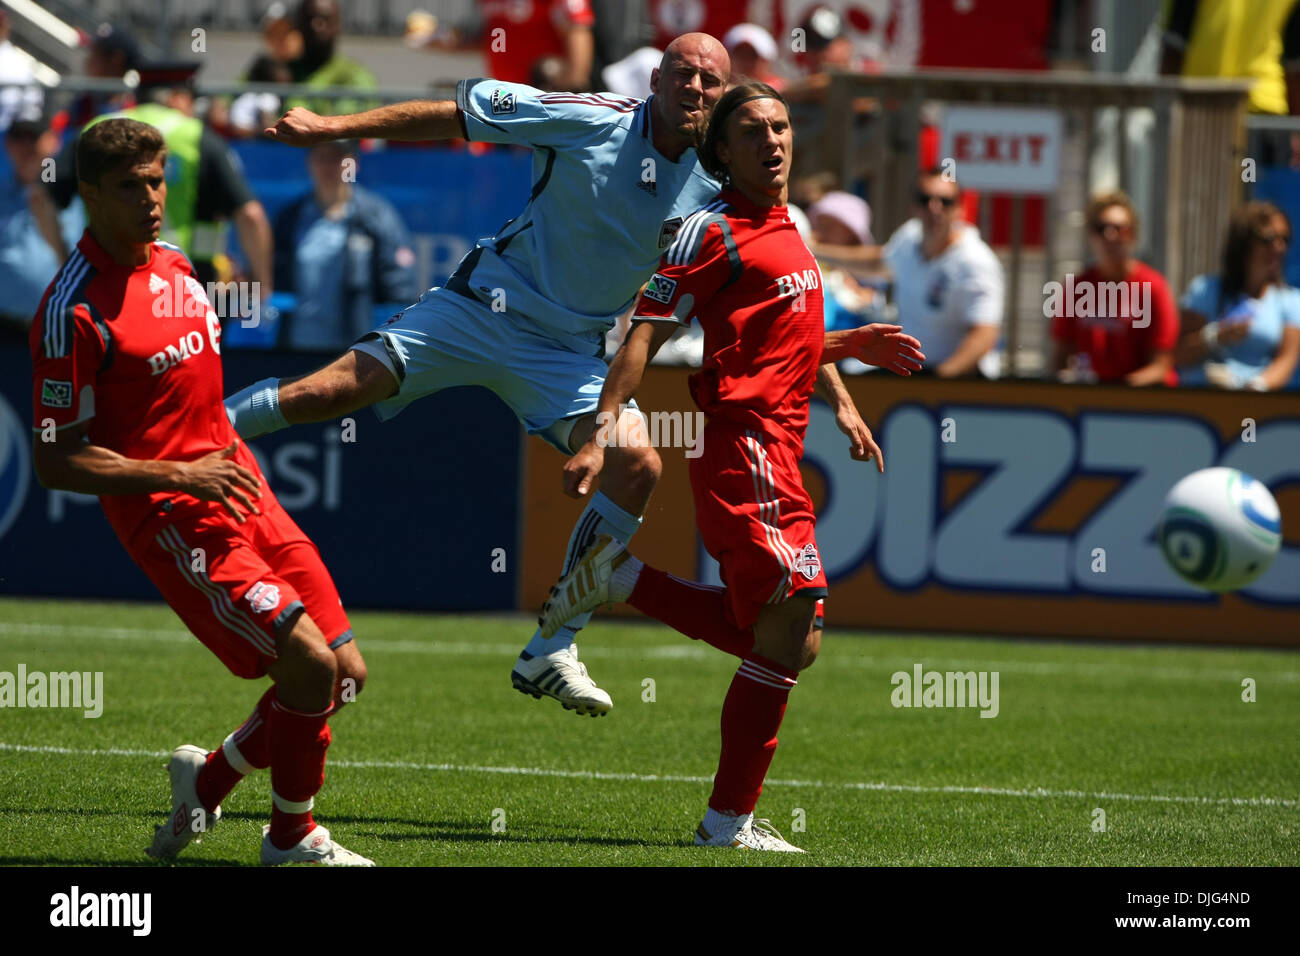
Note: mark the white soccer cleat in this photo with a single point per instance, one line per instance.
(745, 833)
(585, 588)
(189, 820)
(562, 676)
(315, 847)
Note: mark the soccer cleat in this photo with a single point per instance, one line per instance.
(562, 676)
(185, 824)
(746, 833)
(585, 588)
(315, 847)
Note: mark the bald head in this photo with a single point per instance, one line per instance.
(692, 45)
(691, 78)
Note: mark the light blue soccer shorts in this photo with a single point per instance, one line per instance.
(448, 339)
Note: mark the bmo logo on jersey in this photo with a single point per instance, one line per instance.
(189, 345)
(797, 282)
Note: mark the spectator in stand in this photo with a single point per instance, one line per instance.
(1241, 328)
(342, 250)
(321, 65)
(283, 44)
(19, 91)
(204, 182)
(841, 220)
(34, 238)
(516, 36)
(112, 53)
(251, 113)
(753, 52)
(1135, 347)
(948, 284)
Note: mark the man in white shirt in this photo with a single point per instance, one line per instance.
(948, 284)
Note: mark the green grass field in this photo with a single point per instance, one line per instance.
(440, 762)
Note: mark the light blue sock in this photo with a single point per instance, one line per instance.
(601, 516)
(255, 410)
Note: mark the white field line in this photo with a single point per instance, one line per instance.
(1036, 792)
(690, 650)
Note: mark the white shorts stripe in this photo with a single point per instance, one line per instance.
(169, 538)
(769, 512)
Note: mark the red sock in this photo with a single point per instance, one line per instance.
(751, 716)
(245, 750)
(298, 744)
(697, 610)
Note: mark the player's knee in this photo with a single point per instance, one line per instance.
(812, 645)
(642, 467)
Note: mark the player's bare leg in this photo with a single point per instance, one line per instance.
(350, 382)
(550, 665)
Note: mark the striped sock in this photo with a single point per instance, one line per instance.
(751, 716)
(243, 751)
(298, 745)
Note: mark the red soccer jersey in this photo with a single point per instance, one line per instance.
(531, 29)
(1115, 345)
(744, 271)
(136, 351)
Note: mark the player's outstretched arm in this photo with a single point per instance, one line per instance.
(885, 346)
(69, 463)
(625, 373)
(414, 120)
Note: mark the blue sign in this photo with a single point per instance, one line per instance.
(407, 514)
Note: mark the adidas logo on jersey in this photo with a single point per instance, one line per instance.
(648, 185)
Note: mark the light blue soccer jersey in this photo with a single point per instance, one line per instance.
(604, 206)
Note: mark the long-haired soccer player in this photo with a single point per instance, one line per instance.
(740, 266)
(127, 380)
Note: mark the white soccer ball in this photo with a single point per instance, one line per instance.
(1219, 529)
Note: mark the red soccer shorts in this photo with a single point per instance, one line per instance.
(234, 584)
(756, 519)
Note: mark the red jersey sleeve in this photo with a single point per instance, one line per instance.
(701, 260)
(68, 351)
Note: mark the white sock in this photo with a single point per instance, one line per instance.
(623, 580)
(601, 516)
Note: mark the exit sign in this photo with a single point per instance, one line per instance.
(1003, 149)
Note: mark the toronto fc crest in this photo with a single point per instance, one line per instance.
(808, 564)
